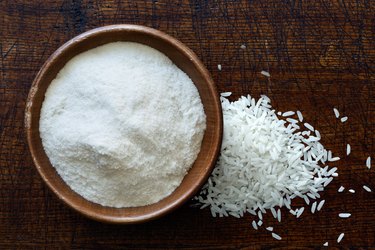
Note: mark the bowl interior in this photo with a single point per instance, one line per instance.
(186, 60)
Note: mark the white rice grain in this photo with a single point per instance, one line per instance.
(344, 119)
(288, 113)
(326, 244)
(344, 215)
(329, 155)
(368, 162)
(279, 215)
(341, 189)
(265, 73)
(341, 236)
(226, 94)
(254, 224)
(273, 211)
(269, 229)
(300, 211)
(313, 206)
(219, 67)
(327, 182)
(348, 149)
(276, 236)
(306, 199)
(320, 205)
(352, 191)
(332, 171)
(337, 113)
(308, 126)
(260, 216)
(317, 133)
(367, 188)
(334, 159)
(300, 116)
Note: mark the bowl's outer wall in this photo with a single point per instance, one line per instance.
(186, 60)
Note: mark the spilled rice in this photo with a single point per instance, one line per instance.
(267, 159)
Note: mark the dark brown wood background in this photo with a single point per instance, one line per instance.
(321, 54)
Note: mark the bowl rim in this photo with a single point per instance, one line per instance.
(28, 124)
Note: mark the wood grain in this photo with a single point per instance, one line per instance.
(321, 54)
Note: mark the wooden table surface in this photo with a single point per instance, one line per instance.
(320, 54)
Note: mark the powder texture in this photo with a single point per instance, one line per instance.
(122, 124)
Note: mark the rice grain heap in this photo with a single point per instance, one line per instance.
(265, 162)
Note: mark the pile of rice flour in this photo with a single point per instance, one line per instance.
(265, 162)
(122, 124)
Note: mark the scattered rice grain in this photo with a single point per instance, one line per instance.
(276, 236)
(300, 116)
(320, 205)
(260, 216)
(317, 133)
(367, 188)
(265, 73)
(306, 199)
(288, 113)
(368, 162)
(334, 159)
(337, 113)
(273, 211)
(341, 236)
(300, 211)
(348, 149)
(308, 126)
(344, 215)
(225, 94)
(313, 206)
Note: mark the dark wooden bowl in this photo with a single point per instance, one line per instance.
(186, 60)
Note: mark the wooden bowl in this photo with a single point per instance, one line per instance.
(186, 60)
